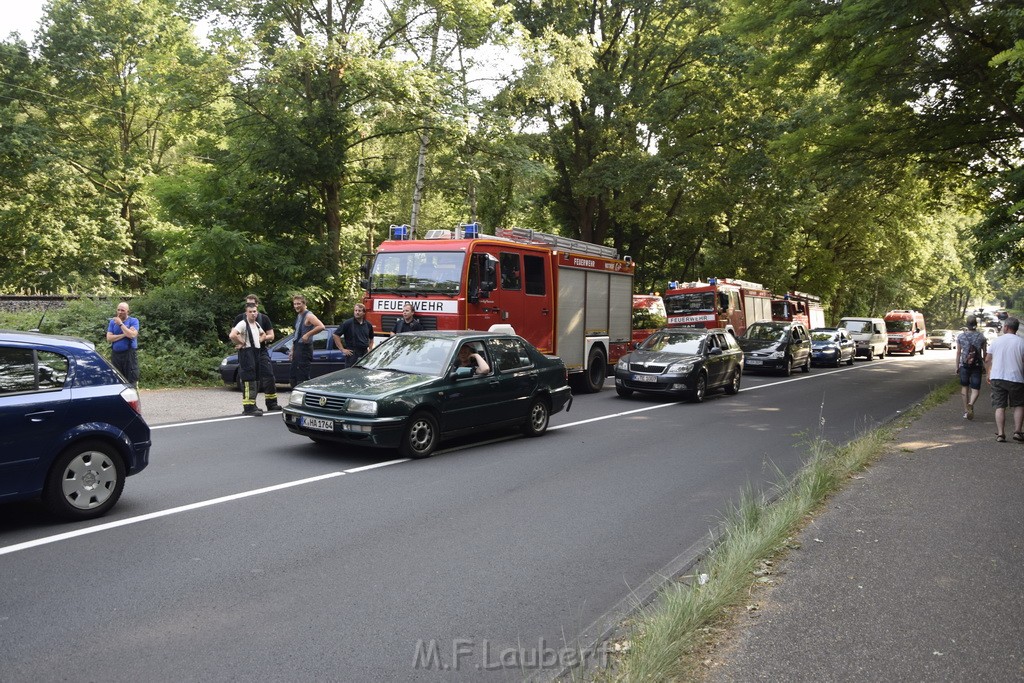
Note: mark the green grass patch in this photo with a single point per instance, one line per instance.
(664, 636)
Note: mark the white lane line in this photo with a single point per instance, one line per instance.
(199, 422)
(184, 508)
(366, 468)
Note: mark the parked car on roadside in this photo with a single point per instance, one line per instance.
(941, 339)
(832, 346)
(71, 429)
(776, 347)
(681, 360)
(409, 394)
(326, 358)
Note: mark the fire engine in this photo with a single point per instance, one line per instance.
(801, 307)
(567, 297)
(720, 302)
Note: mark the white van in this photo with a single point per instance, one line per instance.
(869, 333)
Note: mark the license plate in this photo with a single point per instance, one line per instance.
(753, 361)
(317, 424)
(645, 378)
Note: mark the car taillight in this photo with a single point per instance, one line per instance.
(131, 397)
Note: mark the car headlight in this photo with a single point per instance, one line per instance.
(623, 363)
(682, 367)
(224, 362)
(361, 406)
(777, 354)
(296, 398)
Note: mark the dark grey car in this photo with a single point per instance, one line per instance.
(681, 360)
(770, 346)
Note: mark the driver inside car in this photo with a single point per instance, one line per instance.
(469, 358)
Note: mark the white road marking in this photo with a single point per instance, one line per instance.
(185, 508)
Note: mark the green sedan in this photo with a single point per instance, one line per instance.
(418, 388)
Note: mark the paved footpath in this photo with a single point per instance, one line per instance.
(914, 572)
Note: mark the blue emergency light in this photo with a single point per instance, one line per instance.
(712, 280)
(470, 231)
(400, 232)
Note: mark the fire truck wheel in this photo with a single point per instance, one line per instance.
(420, 437)
(701, 388)
(623, 392)
(733, 387)
(597, 370)
(537, 419)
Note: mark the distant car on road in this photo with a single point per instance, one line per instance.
(776, 347)
(832, 346)
(941, 339)
(326, 358)
(409, 393)
(71, 429)
(681, 361)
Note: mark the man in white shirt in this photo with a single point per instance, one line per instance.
(1004, 365)
(249, 336)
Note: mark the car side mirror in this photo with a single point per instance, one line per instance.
(715, 352)
(462, 373)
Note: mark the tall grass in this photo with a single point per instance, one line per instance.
(754, 529)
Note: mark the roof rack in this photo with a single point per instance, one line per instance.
(565, 243)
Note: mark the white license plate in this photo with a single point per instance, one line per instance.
(753, 361)
(317, 424)
(645, 378)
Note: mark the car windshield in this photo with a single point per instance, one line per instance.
(410, 353)
(857, 326)
(898, 326)
(417, 271)
(824, 335)
(693, 302)
(676, 341)
(766, 332)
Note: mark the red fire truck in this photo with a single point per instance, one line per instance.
(720, 302)
(567, 297)
(801, 307)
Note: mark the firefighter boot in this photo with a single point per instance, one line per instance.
(251, 410)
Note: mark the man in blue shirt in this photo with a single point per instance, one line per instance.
(123, 335)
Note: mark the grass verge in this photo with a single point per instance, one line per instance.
(664, 635)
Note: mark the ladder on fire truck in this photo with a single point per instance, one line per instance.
(529, 236)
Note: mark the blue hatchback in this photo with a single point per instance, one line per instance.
(71, 429)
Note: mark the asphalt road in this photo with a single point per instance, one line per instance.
(245, 552)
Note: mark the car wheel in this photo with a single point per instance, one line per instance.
(623, 392)
(597, 371)
(881, 355)
(787, 367)
(701, 388)
(538, 417)
(85, 481)
(849, 361)
(807, 366)
(733, 387)
(420, 437)
(922, 350)
(871, 353)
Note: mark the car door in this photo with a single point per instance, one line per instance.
(469, 402)
(715, 359)
(35, 396)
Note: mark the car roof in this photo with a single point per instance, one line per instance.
(38, 338)
(460, 335)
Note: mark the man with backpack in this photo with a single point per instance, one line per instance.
(970, 361)
(1004, 365)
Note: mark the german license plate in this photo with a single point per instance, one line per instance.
(753, 361)
(645, 378)
(317, 424)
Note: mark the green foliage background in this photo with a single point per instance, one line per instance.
(838, 151)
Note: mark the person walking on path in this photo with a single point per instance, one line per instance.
(1004, 366)
(354, 336)
(307, 326)
(123, 335)
(264, 370)
(970, 361)
(408, 322)
(249, 337)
